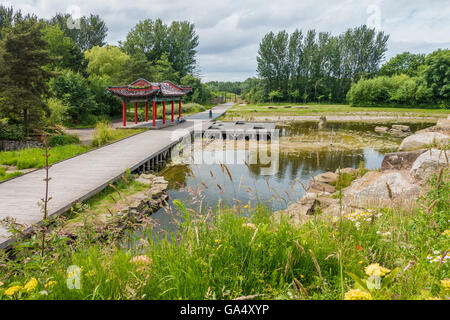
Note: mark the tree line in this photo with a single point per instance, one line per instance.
(347, 68)
(57, 71)
(316, 66)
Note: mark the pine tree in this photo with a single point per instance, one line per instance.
(23, 80)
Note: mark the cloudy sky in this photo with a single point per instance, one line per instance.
(230, 31)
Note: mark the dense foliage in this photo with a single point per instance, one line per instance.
(407, 79)
(57, 71)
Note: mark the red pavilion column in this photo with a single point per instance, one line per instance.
(179, 111)
(135, 113)
(173, 107)
(124, 113)
(164, 112)
(154, 113)
(146, 111)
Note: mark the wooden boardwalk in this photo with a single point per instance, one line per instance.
(81, 177)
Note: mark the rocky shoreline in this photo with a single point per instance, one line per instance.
(135, 208)
(398, 183)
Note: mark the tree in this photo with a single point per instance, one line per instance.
(406, 63)
(200, 92)
(153, 38)
(23, 78)
(135, 67)
(74, 91)
(86, 33)
(105, 61)
(437, 75)
(164, 70)
(6, 17)
(64, 53)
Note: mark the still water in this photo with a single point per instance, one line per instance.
(211, 183)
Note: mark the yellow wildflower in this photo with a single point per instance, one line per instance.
(50, 284)
(31, 285)
(216, 241)
(246, 206)
(375, 269)
(446, 232)
(356, 294)
(360, 262)
(12, 290)
(446, 284)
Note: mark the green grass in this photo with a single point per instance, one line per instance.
(33, 158)
(223, 257)
(6, 176)
(317, 109)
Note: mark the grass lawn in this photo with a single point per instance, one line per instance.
(278, 109)
(33, 157)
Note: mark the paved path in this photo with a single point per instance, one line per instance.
(79, 178)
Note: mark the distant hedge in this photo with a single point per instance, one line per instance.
(395, 90)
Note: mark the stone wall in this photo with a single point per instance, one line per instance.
(8, 145)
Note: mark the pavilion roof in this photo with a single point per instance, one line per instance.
(144, 89)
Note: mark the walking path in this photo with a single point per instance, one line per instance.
(79, 178)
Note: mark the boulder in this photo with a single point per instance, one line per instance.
(327, 177)
(381, 129)
(305, 207)
(419, 140)
(316, 187)
(374, 185)
(428, 163)
(401, 127)
(346, 170)
(400, 160)
(442, 126)
(399, 133)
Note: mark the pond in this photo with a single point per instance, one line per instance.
(304, 152)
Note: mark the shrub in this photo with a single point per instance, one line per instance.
(103, 134)
(63, 139)
(11, 131)
(58, 111)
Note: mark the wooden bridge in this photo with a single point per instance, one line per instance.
(79, 178)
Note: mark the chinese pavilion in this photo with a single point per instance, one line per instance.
(142, 90)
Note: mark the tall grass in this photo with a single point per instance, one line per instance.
(233, 252)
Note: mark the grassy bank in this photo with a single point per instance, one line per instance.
(279, 109)
(242, 251)
(32, 157)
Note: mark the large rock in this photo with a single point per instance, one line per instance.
(326, 177)
(381, 129)
(442, 126)
(310, 204)
(428, 163)
(374, 185)
(400, 160)
(317, 187)
(346, 170)
(419, 140)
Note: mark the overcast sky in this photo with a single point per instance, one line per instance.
(230, 31)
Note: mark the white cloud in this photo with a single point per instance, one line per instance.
(230, 31)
